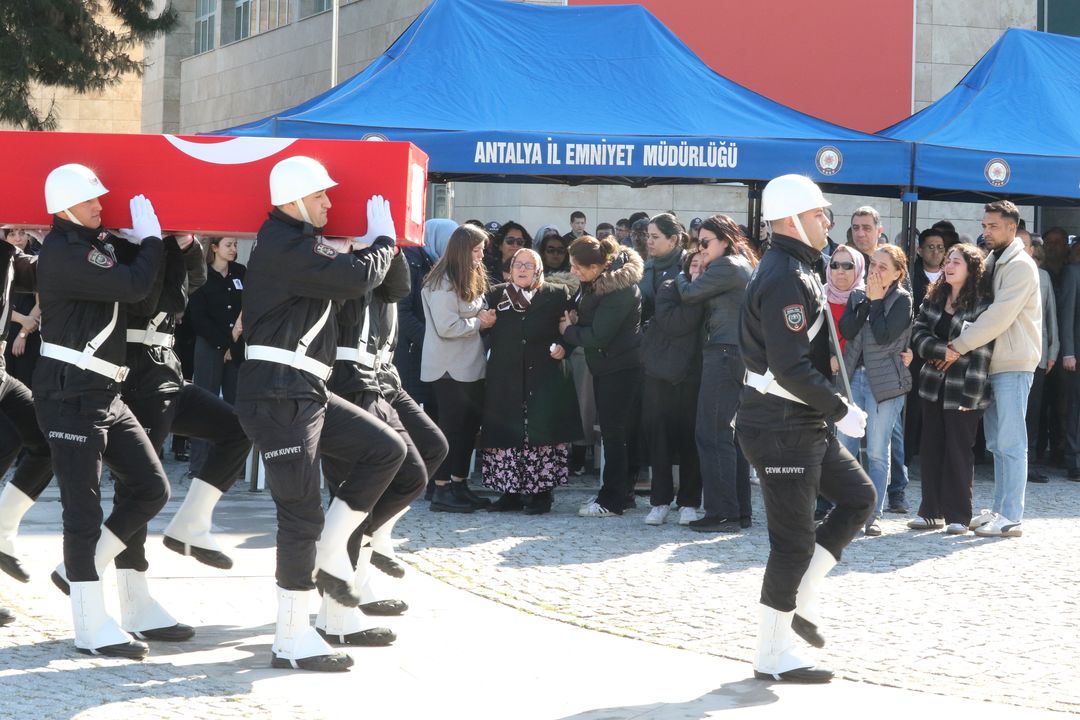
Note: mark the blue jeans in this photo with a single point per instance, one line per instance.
(1006, 438)
(898, 478)
(880, 421)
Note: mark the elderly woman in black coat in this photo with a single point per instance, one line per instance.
(530, 410)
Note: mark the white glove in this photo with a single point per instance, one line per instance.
(144, 221)
(379, 221)
(854, 423)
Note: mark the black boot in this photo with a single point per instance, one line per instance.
(538, 503)
(445, 500)
(461, 490)
(507, 502)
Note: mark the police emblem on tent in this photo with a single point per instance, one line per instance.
(997, 172)
(795, 317)
(829, 160)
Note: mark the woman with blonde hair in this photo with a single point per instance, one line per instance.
(530, 412)
(453, 360)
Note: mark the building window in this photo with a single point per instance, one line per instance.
(322, 5)
(205, 16)
(242, 19)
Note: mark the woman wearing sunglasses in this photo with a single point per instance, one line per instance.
(553, 251)
(509, 238)
(530, 412)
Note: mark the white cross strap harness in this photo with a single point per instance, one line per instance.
(297, 358)
(360, 354)
(150, 336)
(84, 359)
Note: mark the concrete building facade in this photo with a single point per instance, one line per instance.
(234, 61)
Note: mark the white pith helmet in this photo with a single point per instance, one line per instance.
(789, 195)
(69, 185)
(297, 177)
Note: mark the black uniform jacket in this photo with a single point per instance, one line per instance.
(291, 278)
(781, 303)
(155, 370)
(18, 273)
(522, 377)
(79, 279)
(350, 378)
(214, 308)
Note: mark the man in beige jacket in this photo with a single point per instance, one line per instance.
(1014, 324)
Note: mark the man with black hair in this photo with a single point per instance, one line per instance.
(577, 227)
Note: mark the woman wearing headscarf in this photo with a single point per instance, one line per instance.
(409, 352)
(530, 414)
(507, 240)
(844, 274)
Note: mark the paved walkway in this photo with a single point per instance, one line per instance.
(908, 612)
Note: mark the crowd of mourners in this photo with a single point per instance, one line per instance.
(531, 349)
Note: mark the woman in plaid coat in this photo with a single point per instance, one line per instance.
(953, 396)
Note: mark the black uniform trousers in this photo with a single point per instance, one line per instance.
(947, 461)
(426, 448)
(19, 429)
(1071, 381)
(195, 413)
(794, 467)
(292, 435)
(668, 415)
(83, 432)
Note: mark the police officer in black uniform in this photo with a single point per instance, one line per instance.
(784, 427)
(364, 375)
(294, 283)
(18, 424)
(82, 288)
(163, 402)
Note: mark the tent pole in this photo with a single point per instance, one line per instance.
(335, 19)
(908, 218)
(753, 212)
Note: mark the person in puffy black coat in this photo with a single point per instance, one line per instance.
(608, 326)
(671, 359)
(531, 415)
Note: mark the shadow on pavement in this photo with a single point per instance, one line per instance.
(730, 696)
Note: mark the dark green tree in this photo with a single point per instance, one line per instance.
(62, 43)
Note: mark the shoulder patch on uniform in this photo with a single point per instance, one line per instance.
(324, 250)
(795, 317)
(100, 259)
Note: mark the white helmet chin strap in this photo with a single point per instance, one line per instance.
(72, 218)
(303, 211)
(799, 229)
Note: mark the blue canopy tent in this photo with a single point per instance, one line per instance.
(504, 91)
(1010, 128)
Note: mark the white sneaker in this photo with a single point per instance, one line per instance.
(1000, 526)
(985, 515)
(588, 501)
(595, 509)
(956, 529)
(657, 515)
(687, 515)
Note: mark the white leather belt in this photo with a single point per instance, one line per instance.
(766, 385)
(84, 359)
(147, 337)
(150, 336)
(296, 358)
(369, 360)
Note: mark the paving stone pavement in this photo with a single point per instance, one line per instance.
(984, 619)
(980, 618)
